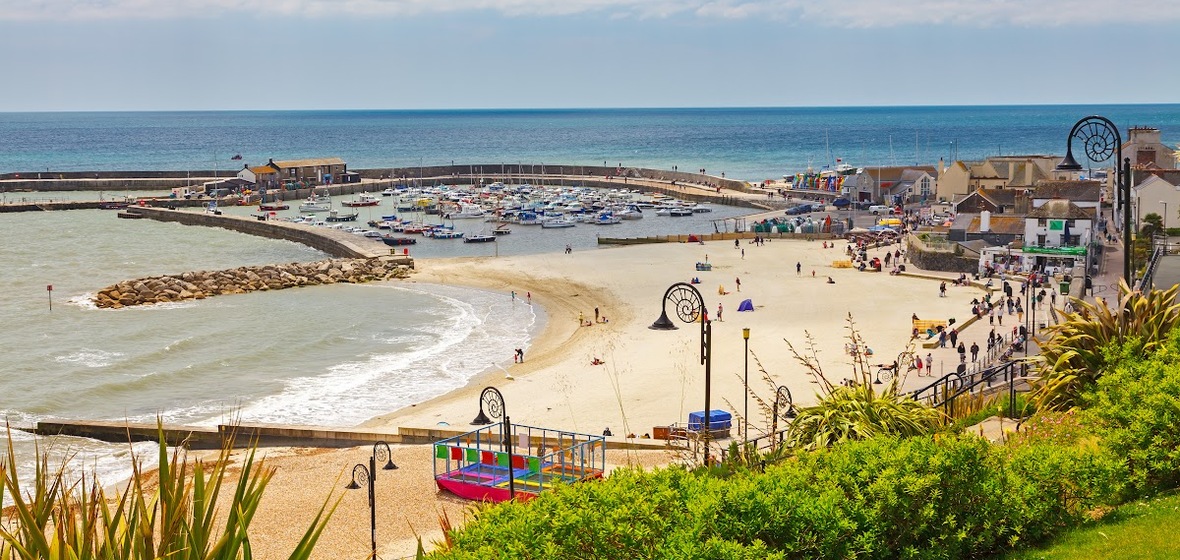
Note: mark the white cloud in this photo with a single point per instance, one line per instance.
(827, 13)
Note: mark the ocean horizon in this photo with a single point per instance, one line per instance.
(751, 143)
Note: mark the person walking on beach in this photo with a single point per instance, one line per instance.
(738, 281)
(581, 319)
(974, 351)
(513, 296)
(942, 290)
(595, 314)
(520, 355)
(798, 269)
(528, 296)
(743, 254)
(736, 243)
(719, 312)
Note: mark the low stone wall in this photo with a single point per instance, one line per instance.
(203, 284)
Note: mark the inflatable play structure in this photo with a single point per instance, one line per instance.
(478, 466)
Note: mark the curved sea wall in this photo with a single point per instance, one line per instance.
(203, 284)
(336, 243)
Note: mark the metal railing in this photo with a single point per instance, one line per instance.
(946, 390)
(1145, 283)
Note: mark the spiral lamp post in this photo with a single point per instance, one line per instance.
(381, 452)
(689, 305)
(1102, 141)
(492, 402)
(782, 397)
(746, 411)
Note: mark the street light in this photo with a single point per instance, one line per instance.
(690, 306)
(493, 401)
(381, 452)
(782, 396)
(1102, 141)
(1165, 224)
(746, 412)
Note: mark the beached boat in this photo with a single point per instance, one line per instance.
(479, 238)
(362, 200)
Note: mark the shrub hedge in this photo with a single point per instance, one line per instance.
(922, 497)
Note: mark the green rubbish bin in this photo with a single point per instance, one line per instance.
(1063, 288)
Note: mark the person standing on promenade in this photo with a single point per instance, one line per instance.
(974, 351)
(929, 364)
(954, 337)
(942, 339)
(962, 353)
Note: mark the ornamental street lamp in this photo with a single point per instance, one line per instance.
(782, 397)
(491, 400)
(746, 412)
(690, 307)
(381, 452)
(1165, 223)
(1102, 141)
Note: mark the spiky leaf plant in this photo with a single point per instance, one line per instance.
(1072, 357)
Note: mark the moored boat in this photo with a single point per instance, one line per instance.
(397, 241)
(335, 216)
(479, 238)
(362, 200)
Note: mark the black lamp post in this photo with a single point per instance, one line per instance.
(381, 452)
(1102, 141)
(690, 307)
(782, 396)
(493, 401)
(746, 412)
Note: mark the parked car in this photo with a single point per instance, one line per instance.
(878, 209)
(800, 209)
(841, 203)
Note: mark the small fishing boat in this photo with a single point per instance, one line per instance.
(397, 241)
(335, 216)
(557, 223)
(362, 200)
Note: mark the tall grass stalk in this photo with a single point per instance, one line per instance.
(174, 515)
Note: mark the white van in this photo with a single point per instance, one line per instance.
(878, 209)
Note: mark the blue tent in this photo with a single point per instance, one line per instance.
(746, 305)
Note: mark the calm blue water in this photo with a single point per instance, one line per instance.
(746, 143)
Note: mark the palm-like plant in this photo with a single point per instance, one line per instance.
(857, 410)
(1072, 357)
(176, 516)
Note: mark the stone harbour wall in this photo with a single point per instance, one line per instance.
(203, 284)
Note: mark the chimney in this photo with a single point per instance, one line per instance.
(1021, 202)
(985, 221)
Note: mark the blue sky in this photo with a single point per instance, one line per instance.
(72, 55)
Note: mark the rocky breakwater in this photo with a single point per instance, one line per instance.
(203, 284)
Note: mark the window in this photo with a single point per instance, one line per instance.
(1041, 222)
(1041, 240)
(1069, 223)
(925, 186)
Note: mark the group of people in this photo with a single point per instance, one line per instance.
(598, 318)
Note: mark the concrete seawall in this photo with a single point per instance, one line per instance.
(274, 435)
(336, 243)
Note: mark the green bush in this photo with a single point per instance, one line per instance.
(1135, 409)
(920, 497)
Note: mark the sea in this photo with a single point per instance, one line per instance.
(339, 355)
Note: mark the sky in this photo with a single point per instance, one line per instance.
(149, 55)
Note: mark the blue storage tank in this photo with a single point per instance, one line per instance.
(718, 420)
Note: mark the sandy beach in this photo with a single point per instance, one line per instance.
(649, 378)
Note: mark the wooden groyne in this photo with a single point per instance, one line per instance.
(702, 237)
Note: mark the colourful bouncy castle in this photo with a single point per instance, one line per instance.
(485, 465)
